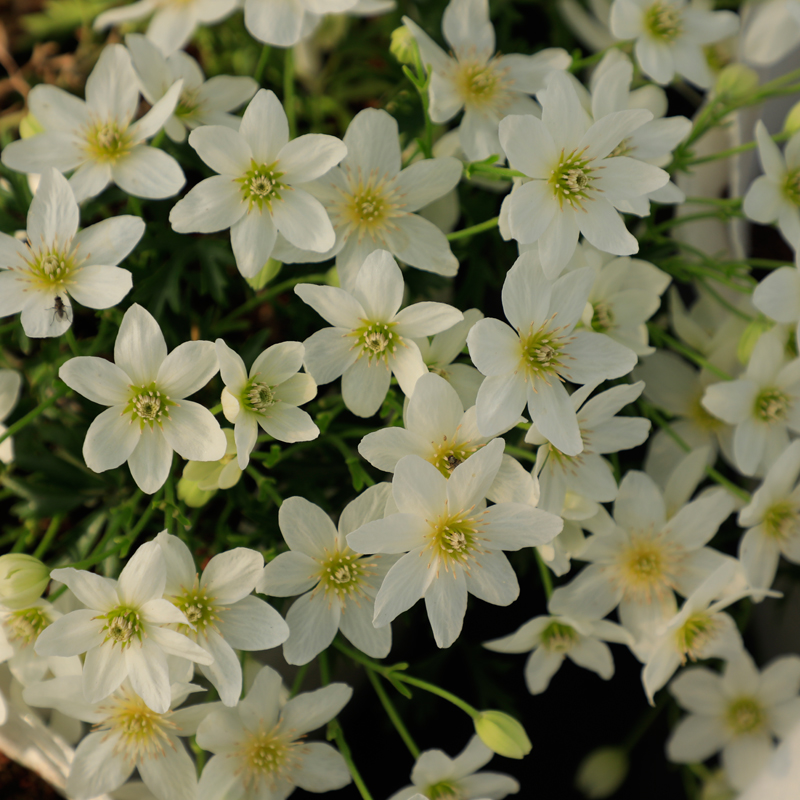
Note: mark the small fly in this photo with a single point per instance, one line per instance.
(60, 310)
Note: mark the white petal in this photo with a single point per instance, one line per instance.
(364, 386)
(144, 576)
(224, 150)
(140, 347)
(446, 604)
(193, 433)
(149, 675)
(253, 239)
(150, 461)
(148, 172)
(97, 379)
(264, 124)
(313, 621)
(53, 214)
(232, 575)
(110, 441)
(213, 205)
(100, 287)
(188, 368)
(98, 767)
(253, 624)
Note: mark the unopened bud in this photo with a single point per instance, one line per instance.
(736, 81)
(752, 333)
(402, 45)
(502, 734)
(602, 772)
(22, 580)
(191, 494)
(792, 123)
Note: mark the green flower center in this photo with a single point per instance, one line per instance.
(107, 142)
(694, 634)
(745, 715)
(261, 185)
(270, 757)
(148, 405)
(602, 318)
(122, 625)
(771, 405)
(791, 187)
(199, 608)
(187, 105)
(444, 790)
(376, 340)
(448, 454)
(259, 396)
(541, 351)
(558, 637)
(572, 179)
(454, 538)
(780, 521)
(664, 21)
(342, 574)
(24, 626)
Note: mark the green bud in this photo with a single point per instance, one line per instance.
(736, 81)
(752, 333)
(22, 580)
(502, 734)
(269, 271)
(602, 772)
(402, 45)
(792, 123)
(29, 126)
(192, 494)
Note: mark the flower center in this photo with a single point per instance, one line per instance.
(663, 21)
(376, 340)
(142, 732)
(780, 521)
(454, 538)
(745, 715)
(444, 790)
(24, 626)
(541, 351)
(342, 574)
(107, 142)
(270, 757)
(571, 180)
(122, 625)
(366, 207)
(148, 405)
(482, 86)
(187, 106)
(602, 318)
(771, 405)
(199, 608)
(695, 634)
(558, 637)
(648, 567)
(791, 187)
(259, 397)
(624, 148)
(448, 454)
(261, 185)
(51, 269)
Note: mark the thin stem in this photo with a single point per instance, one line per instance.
(31, 415)
(632, 739)
(264, 297)
(298, 681)
(49, 535)
(258, 75)
(288, 91)
(544, 572)
(391, 712)
(71, 342)
(344, 749)
(664, 338)
(479, 228)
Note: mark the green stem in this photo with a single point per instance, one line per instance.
(479, 228)
(482, 168)
(288, 91)
(31, 415)
(421, 83)
(664, 338)
(391, 712)
(519, 452)
(258, 75)
(169, 506)
(265, 296)
(71, 342)
(49, 535)
(632, 739)
(298, 681)
(544, 572)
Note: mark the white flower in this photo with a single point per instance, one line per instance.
(440, 351)
(39, 277)
(371, 338)
(342, 583)
(772, 520)
(121, 629)
(371, 202)
(640, 558)
(527, 363)
(764, 405)
(173, 21)
(453, 544)
(778, 296)
(772, 31)
(670, 35)
(201, 102)
(775, 196)
(10, 384)
(436, 775)
(488, 86)
(206, 477)
(126, 735)
(576, 180)
(98, 138)
(268, 396)
(260, 187)
(260, 748)
(551, 639)
(588, 474)
(221, 610)
(285, 23)
(148, 417)
(738, 712)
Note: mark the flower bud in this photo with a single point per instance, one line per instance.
(191, 494)
(22, 580)
(502, 734)
(792, 122)
(268, 272)
(602, 772)
(736, 81)
(29, 126)
(402, 45)
(752, 333)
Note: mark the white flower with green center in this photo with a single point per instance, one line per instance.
(373, 202)
(148, 416)
(267, 397)
(371, 338)
(221, 610)
(173, 22)
(670, 36)
(453, 543)
(552, 639)
(639, 559)
(260, 189)
(122, 630)
(775, 195)
(98, 138)
(436, 776)
(576, 182)
(57, 262)
(763, 405)
(10, 383)
(126, 735)
(260, 749)
(488, 86)
(202, 102)
(339, 584)
(739, 712)
(528, 363)
(772, 520)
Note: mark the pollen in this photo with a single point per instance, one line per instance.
(148, 406)
(449, 453)
(664, 21)
(376, 340)
(261, 185)
(343, 574)
(24, 626)
(106, 142)
(647, 569)
(541, 351)
(270, 757)
(455, 539)
(745, 715)
(572, 178)
(772, 405)
(259, 397)
(367, 206)
(200, 608)
(123, 625)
